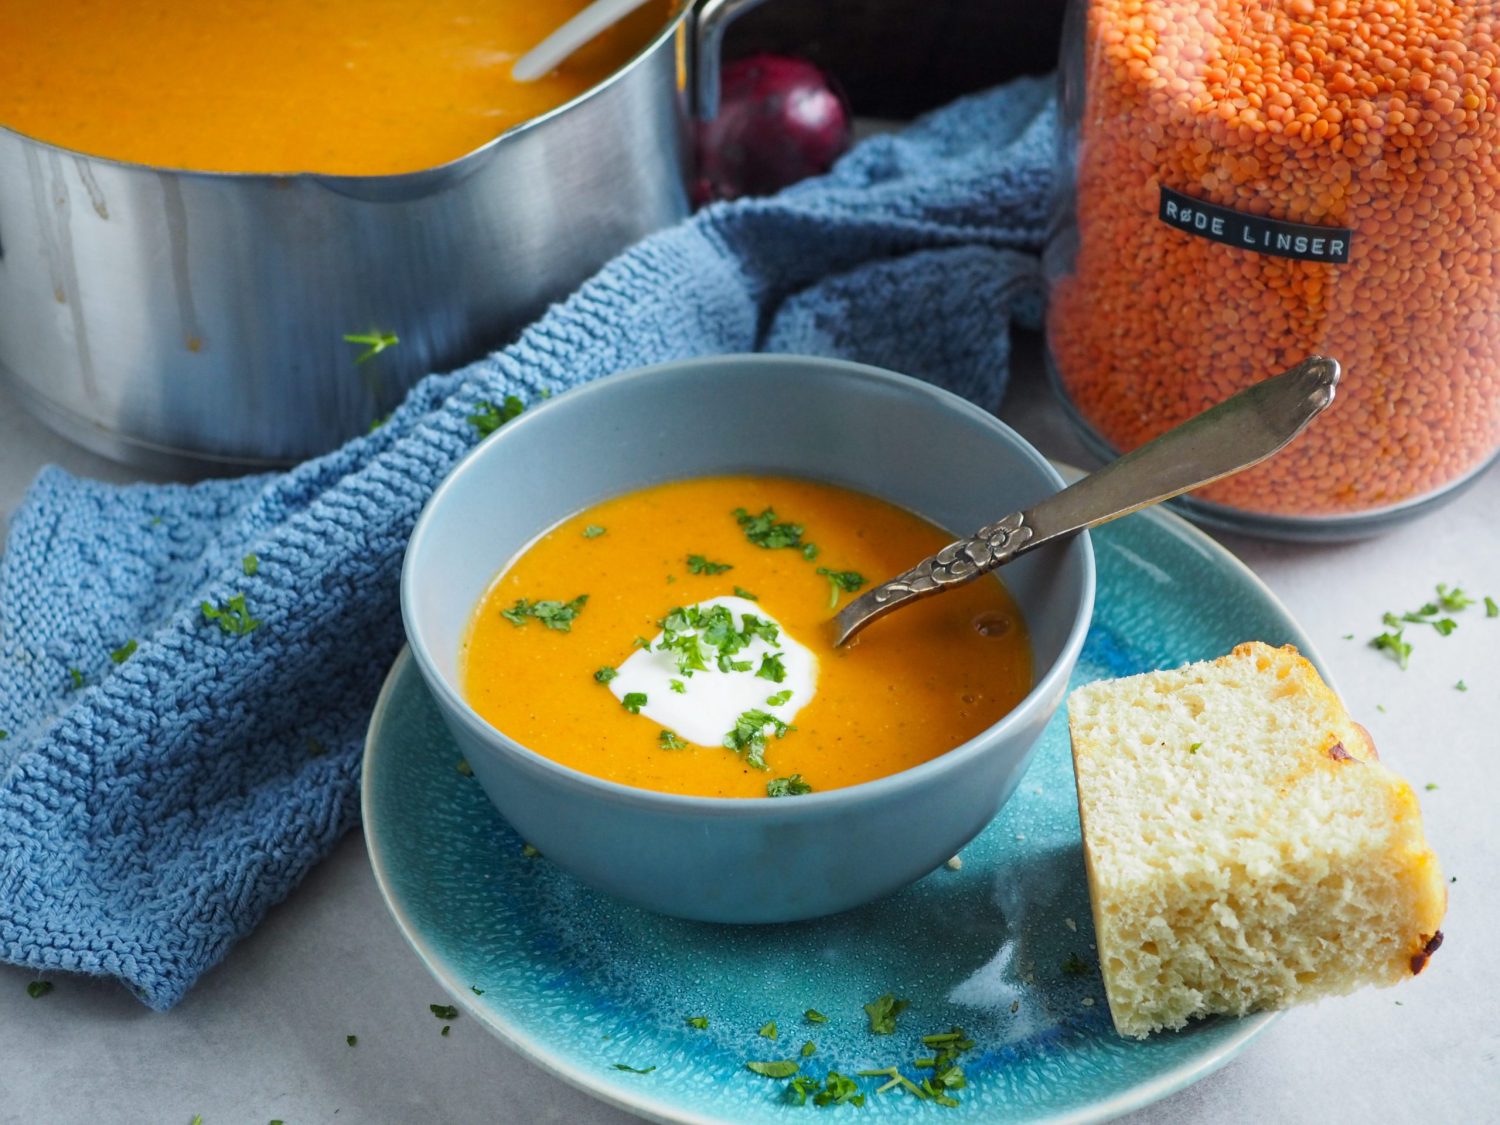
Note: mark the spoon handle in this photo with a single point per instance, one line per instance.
(1241, 431)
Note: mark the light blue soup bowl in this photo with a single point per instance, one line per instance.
(744, 859)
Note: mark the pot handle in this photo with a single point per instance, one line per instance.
(711, 18)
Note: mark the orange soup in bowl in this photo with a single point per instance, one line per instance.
(677, 639)
(347, 87)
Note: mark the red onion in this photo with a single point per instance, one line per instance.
(780, 120)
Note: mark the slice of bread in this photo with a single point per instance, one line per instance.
(1245, 848)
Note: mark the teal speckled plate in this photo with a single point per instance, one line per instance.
(583, 984)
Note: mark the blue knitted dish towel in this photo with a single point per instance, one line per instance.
(155, 803)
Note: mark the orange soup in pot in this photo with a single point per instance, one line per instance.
(349, 87)
(677, 639)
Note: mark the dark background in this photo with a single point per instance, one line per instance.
(898, 58)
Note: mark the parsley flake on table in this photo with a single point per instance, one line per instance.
(792, 786)
(124, 652)
(1399, 648)
(699, 564)
(1431, 785)
(775, 1068)
(443, 1011)
(749, 735)
(698, 1022)
(678, 686)
(232, 616)
(812, 1015)
(487, 417)
(4, 734)
(669, 740)
(374, 343)
(883, 1011)
(593, 531)
(38, 988)
(551, 613)
(605, 673)
(768, 1031)
(250, 564)
(634, 1069)
(779, 698)
(634, 701)
(1491, 608)
(76, 678)
(741, 592)
(1460, 686)
(352, 1040)
(446, 1028)
(476, 990)
(771, 668)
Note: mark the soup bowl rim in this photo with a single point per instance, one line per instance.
(1045, 689)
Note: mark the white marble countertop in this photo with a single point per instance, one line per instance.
(262, 1035)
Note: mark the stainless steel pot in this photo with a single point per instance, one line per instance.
(195, 321)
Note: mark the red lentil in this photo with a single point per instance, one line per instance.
(1374, 115)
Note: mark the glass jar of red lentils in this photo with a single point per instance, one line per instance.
(1243, 183)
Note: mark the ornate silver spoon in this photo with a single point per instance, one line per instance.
(1241, 431)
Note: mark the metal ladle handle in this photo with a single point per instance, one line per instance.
(1241, 431)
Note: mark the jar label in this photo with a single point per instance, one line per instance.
(1253, 232)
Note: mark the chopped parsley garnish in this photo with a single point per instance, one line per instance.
(352, 1040)
(699, 1022)
(1075, 966)
(593, 531)
(553, 614)
(374, 343)
(1431, 785)
(841, 581)
(771, 667)
(698, 564)
(1393, 643)
(669, 741)
(808, 1049)
(634, 1069)
(1453, 600)
(1193, 749)
(835, 1090)
(634, 701)
(487, 417)
(232, 616)
(741, 592)
(463, 767)
(1449, 599)
(678, 686)
(250, 564)
(809, 551)
(641, 642)
(76, 677)
(792, 786)
(779, 698)
(685, 630)
(768, 1031)
(530, 851)
(812, 1015)
(765, 532)
(883, 1011)
(446, 1029)
(605, 673)
(1461, 686)
(124, 652)
(749, 735)
(776, 1068)
(38, 988)
(443, 1011)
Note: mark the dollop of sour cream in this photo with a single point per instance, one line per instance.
(711, 699)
